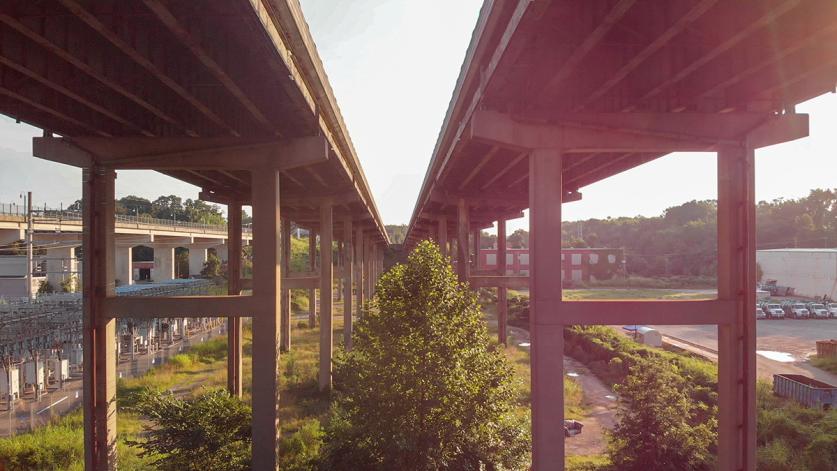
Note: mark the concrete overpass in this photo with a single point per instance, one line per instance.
(228, 95)
(59, 233)
(556, 95)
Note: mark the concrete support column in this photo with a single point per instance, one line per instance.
(340, 266)
(234, 350)
(736, 282)
(197, 258)
(359, 264)
(348, 278)
(286, 293)
(502, 291)
(326, 281)
(163, 263)
(367, 266)
(124, 264)
(61, 263)
(475, 250)
(442, 230)
(463, 268)
(222, 251)
(267, 280)
(547, 358)
(312, 265)
(99, 330)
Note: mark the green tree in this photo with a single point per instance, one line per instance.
(424, 387)
(518, 239)
(658, 426)
(211, 431)
(45, 287)
(212, 267)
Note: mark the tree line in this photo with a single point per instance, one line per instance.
(170, 207)
(682, 240)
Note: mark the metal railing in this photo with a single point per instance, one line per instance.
(44, 214)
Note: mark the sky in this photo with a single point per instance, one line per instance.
(393, 65)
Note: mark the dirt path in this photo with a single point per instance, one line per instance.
(598, 398)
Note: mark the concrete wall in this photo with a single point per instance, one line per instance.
(13, 265)
(811, 272)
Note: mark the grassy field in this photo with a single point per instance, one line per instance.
(825, 363)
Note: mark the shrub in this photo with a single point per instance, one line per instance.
(45, 287)
(658, 427)
(301, 450)
(212, 350)
(180, 361)
(211, 431)
(424, 387)
(775, 456)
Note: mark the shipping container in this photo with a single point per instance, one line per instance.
(804, 390)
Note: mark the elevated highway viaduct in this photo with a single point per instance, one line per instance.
(554, 96)
(230, 96)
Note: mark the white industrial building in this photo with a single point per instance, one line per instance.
(812, 272)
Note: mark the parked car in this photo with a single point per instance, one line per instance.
(832, 309)
(760, 313)
(818, 311)
(572, 427)
(796, 310)
(773, 310)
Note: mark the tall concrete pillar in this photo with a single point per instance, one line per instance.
(502, 291)
(312, 265)
(163, 263)
(61, 265)
(285, 343)
(234, 331)
(736, 283)
(348, 278)
(360, 287)
(326, 295)
(99, 329)
(547, 333)
(124, 264)
(222, 251)
(463, 267)
(267, 286)
(197, 258)
(442, 231)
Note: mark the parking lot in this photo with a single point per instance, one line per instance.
(783, 345)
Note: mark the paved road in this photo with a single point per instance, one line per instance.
(788, 340)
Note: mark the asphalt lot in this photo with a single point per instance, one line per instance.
(783, 346)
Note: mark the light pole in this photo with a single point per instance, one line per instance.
(27, 201)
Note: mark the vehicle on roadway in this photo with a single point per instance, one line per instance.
(832, 309)
(760, 313)
(773, 310)
(796, 310)
(818, 311)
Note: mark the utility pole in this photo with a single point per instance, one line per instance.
(29, 241)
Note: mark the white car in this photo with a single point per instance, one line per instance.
(760, 314)
(832, 309)
(818, 311)
(773, 311)
(797, 311)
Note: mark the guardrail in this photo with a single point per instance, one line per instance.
(42, 215)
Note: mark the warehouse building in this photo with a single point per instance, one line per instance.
(811, 272)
